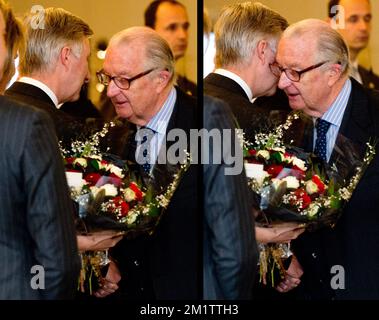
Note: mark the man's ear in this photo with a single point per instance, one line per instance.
(334, 73)
(65, 56)
(262, 47)
(163, 79)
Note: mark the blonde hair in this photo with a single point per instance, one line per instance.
(239, 29)
(14, 40)
(58, 29)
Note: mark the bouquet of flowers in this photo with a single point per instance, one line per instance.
(110, 197)
(293, 186)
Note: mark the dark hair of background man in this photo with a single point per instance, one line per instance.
(151, 11)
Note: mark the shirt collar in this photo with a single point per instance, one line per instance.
(43, 87)
(160, 121)
(335, 113)
(238, 79)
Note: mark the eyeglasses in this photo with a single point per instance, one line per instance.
(121, 82)
(291, 74)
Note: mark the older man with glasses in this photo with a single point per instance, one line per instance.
(313, 66)
(138, 71)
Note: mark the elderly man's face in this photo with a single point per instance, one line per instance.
(172, 24)
(311, 92)
(138, 103)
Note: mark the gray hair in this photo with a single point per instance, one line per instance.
(157, 51)
(45, 42)
(330, 44)
(239, 29)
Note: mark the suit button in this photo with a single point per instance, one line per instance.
(142, 288)
(314, 255)
(136, 263)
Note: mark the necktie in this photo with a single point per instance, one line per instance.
(144, 136)
(322, 128)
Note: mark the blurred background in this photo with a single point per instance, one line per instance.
(107, 17)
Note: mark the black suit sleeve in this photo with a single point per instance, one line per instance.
(230, 250)
(49, 210)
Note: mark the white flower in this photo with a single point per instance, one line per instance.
(115, 170)
(81, 161)
(129, 195)
(292, 182)
(279, 149)
(299, 163)
(110, 190)
(264, 154)
(311, 187)
(313, 209)
(131, 217)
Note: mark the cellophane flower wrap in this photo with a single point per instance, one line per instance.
(293, 186)
(110, 197)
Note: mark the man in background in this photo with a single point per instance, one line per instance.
(169, 18)
(356, 29)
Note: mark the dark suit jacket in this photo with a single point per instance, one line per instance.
(166, 265)
(354, 242)
(251, 117)
(67, 127)
(369, 78)
(230, 253)
(36, 227)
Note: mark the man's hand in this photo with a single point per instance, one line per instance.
(278, 234)
(110, 282)
(98, 240)
(292, 278)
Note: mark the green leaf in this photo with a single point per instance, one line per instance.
(95, 164)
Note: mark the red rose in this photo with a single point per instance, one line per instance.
(252, 152)
(136, 190)
(92, 178)
(274, 170)
(70, 160)
(306, 199)
(121, 205)
(319, 183)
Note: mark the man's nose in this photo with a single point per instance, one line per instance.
(284, 82)
(112, 89)
(182, 33)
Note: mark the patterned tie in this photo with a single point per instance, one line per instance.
(147, 134)
(322, 128)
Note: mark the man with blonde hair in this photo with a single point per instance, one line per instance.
(138, 71)
(246, 39)
(54, 66)
(313, 66)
